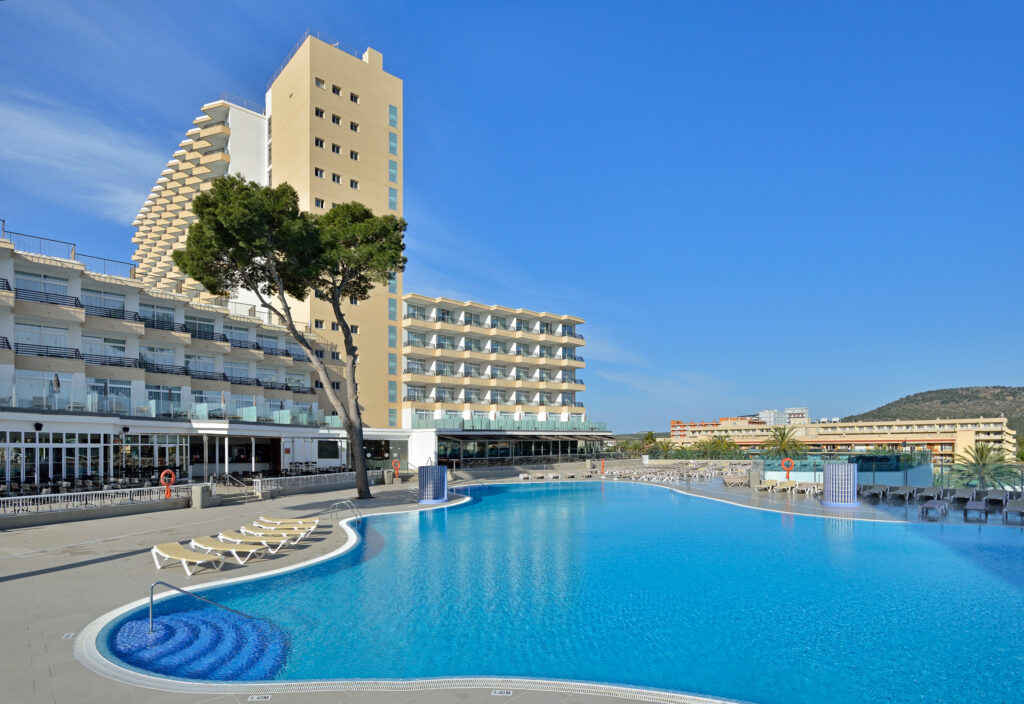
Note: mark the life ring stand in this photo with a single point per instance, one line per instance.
(396, 465)
(167, 477)
(788, 464)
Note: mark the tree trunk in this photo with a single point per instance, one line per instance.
(354, 417)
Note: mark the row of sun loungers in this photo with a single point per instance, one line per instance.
(265, 534)
(789, 486)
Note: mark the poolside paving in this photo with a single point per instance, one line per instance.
(55, 579)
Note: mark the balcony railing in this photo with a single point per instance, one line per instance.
(416, 398)
(576, 357)
(243, 380)
(204, 374)
(566, 333)
(244, 344)
(415, 316)
(163, 368)
(113, 313)
(298, 356)
(275, 385)
(5, 285)
(205, 334)
(302, 389)
(59, 299)
(278, 351)
(157, 324)
(111, 361)
(47, 351)
(498, 326)
(5, 344)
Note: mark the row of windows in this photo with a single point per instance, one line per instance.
(320, 143)
(335, 119)
(336, 90)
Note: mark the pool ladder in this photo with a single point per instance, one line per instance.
(346, 504)
(182, 591)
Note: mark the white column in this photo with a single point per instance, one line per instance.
(226, 455)
(252, 453)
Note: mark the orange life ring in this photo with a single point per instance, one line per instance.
(167, 484)
(396, 465)
(788, 464)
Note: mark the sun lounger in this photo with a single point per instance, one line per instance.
(259, 531)
(963, 495)
(786, 486)
(978, 509)
(934, 509)
(524, 476)
(809, 488)
(734, 479)
(903, 492)
(237, 550)
(173, 552)
(1013, 507)
(875, 491)
(767, 485)
(307, 527)
(304, 521)
(272, 542)
(997, 497)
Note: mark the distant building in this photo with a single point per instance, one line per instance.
(944, 438)
(773, 417)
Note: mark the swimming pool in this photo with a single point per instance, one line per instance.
(625, 583)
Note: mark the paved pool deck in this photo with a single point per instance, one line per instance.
(55, 579)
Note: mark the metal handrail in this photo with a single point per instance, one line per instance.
(157, 324)
(60, 299)
(153, 586)
(347, 503)
(114, 313)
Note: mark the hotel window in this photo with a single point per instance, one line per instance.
(471, 319)
(392, 392)
(471, 370)
(472, 344)
(266, 374)
(102, 299)
(161, 313)
(318, 142)
(392, 283)
(199, 363)
(444, 369)
(392, 309)
(266, 342)
(238, 370)
(335, 327)
(353, 155)
(25, 334)
(392, 171)
(392, 143)
(318, 324)
(416, 393)
(318, 202)
(354, 126)
(336, 178)
(41, 282)
(319, 82)
(103, 346)
(353, 300)
(352, 183)
(336, 385)
(392, 363)
(319, 173)
(233, 332)
(499, 322)
(199, 327)
(499, 372)
(392, 336)
(336, 90)
(336, 119)
(317, 384)
(156, 355)
(336, 356)
(335, 148)
(546, 328)
(393, 115)
(393, 198)
(109, 395)
(392, 417)
(445, 342)
(319, 112)
(319, 353)
(40, 389)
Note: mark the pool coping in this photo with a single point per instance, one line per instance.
(88, 654)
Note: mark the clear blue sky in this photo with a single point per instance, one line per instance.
(753, 204)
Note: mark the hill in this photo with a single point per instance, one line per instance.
(966, 402)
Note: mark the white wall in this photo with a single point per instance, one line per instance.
(248, 144)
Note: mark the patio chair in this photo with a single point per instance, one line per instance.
(786, 486)
(273, 543)
(977, 508)
(997, 497)
(734, 480)
(1013, 507)
(928, 493)
(173, 552)
(875, 491)
(963, 495)
(211, 545)
(934, 509)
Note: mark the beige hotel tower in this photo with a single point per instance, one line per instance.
(332, 128)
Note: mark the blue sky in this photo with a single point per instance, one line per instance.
(754, 205)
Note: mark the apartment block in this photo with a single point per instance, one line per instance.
(945, 438)
(331, 127)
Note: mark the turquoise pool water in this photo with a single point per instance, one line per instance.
(630, 584)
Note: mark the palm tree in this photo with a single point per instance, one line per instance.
(719, 447)
(984, 464)
(782, 442)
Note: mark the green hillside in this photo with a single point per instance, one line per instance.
(966, 402)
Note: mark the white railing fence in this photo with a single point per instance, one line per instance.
(41, 503)
(311, 480)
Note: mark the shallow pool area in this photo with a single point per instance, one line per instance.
(616, 582)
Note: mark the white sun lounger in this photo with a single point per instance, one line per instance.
(260, 531)
(304, 528)
(524, 477)
(290, 521)
(787, 486)
(272, 542)
(173, 552)
(237, 550)
(767, 485)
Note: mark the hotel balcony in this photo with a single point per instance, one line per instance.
(155, 368)
(166, 331)
(6, 293)
(47, 351)
(49, 306)
(505, 424)
(111, 361)
(117, 320)
(207, 341)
